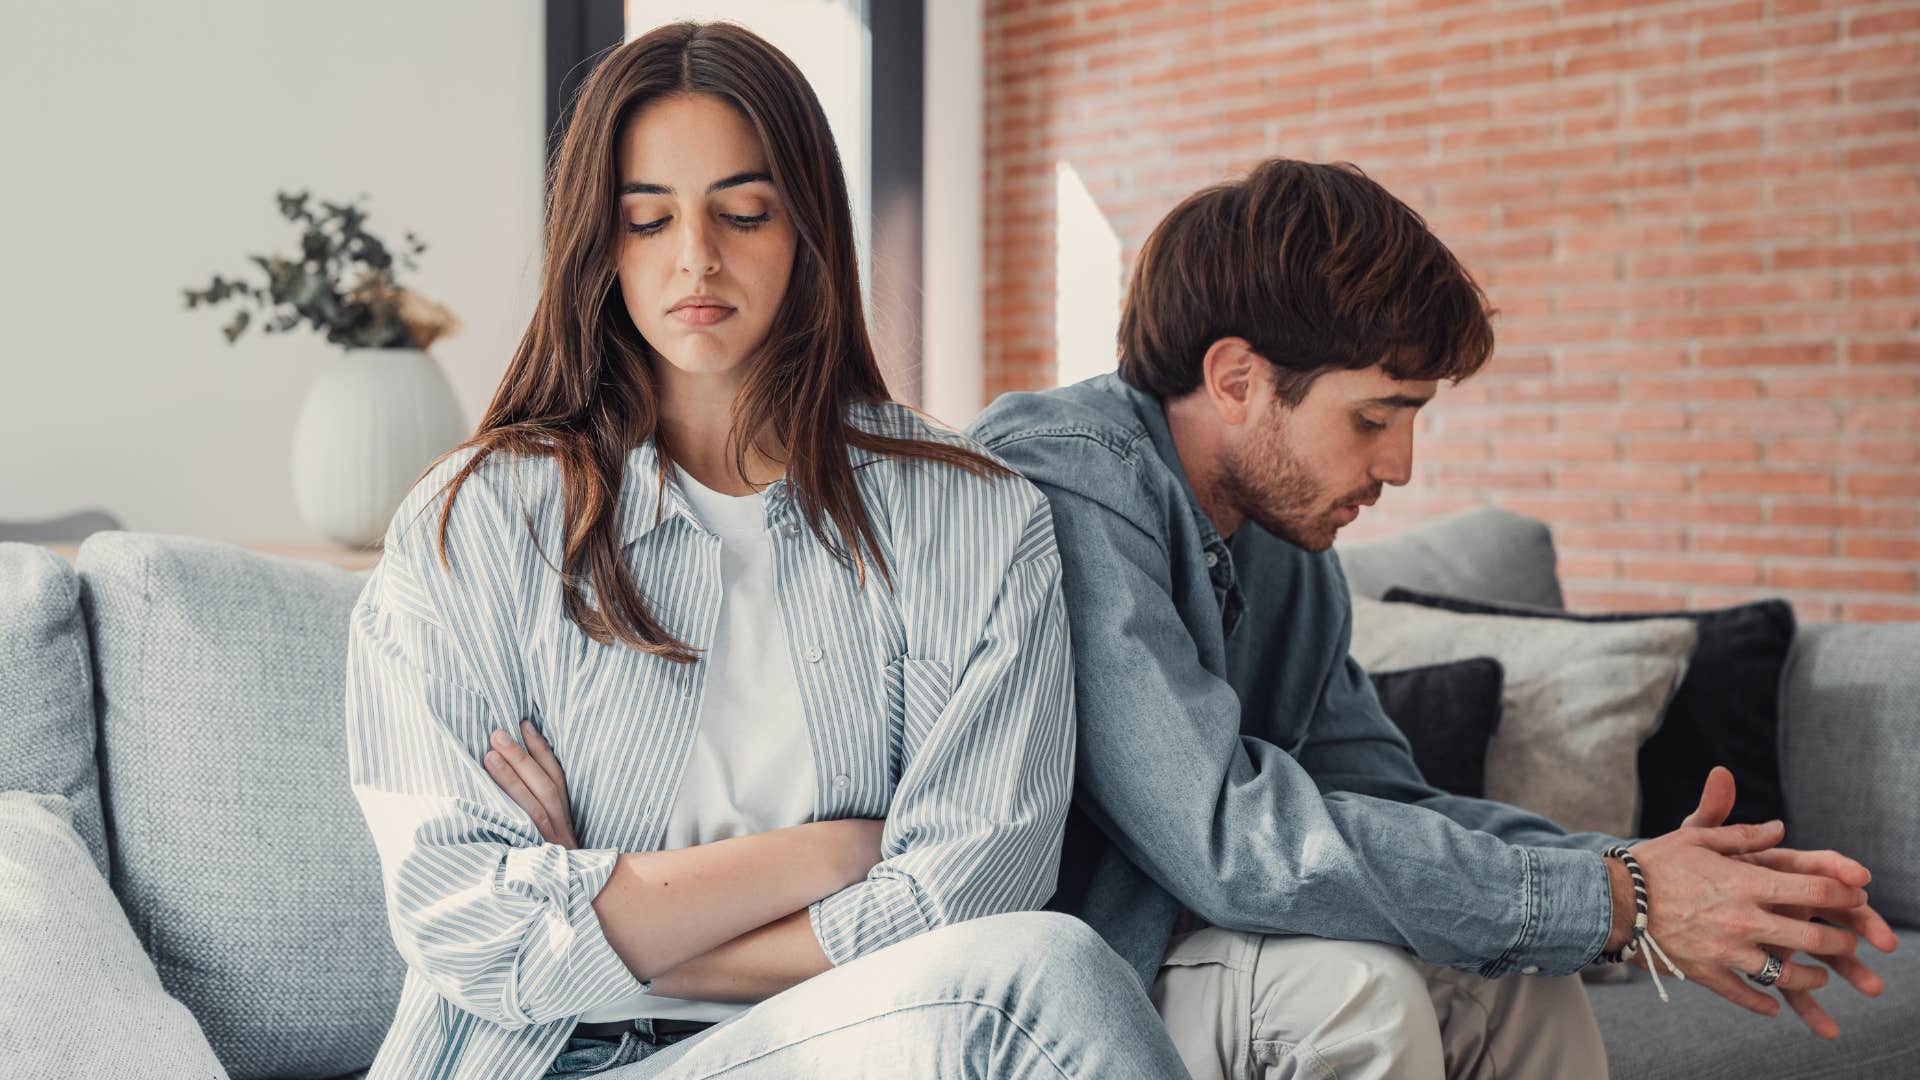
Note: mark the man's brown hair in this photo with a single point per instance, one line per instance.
(1318, 267)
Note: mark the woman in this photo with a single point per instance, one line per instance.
(802, 654)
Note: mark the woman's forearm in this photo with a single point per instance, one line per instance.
(752, 967)
(660, 909)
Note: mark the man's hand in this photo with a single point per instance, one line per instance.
(1716, 801)
(1724, 897)
(533, 778)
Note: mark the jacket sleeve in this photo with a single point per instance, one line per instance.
(1233, 825)
(976, 821)
(498, 922)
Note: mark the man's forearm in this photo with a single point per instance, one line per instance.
(750, 968)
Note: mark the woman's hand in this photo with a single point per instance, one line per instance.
(532, 777)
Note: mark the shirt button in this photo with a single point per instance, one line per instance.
(840, 782)
(812, 654)
(1212, 560)
(793, 528)
(1530, 969)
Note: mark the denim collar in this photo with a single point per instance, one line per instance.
(1217, 556)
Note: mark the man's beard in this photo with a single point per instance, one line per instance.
(1271, 487)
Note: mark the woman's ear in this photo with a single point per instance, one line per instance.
(1230, 377)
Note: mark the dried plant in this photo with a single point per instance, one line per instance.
(342, 284)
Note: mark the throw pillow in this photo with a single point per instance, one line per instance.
(1448, 712)
(1578, 700)
(1726, 711)
(78, 997)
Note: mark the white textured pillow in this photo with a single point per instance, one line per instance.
(78, 996)
(1578, 699)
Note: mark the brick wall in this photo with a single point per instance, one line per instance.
(1700, 221)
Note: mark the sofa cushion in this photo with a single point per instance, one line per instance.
(46, 689)
(1850, 753)
(1726, 711)
(1577, 701)
(68, 957)
(1448, 712)
(239, 852)
(1700, 1036)
(1494, 555)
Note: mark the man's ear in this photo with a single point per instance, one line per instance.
(1230, 376)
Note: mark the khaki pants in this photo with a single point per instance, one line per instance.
(1252, 1007)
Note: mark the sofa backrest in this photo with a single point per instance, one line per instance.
(1850, 758)
(237, 847)
(1496, 556)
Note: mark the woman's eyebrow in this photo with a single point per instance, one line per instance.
(735, 180)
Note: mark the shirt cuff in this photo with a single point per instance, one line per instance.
(1568, 914)
(861, 918)
(581, 968)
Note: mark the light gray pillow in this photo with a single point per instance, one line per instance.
(46, 688)
(1577, 702)
(77, 995)
(239, 852)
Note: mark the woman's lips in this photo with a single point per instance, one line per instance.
(701, 314)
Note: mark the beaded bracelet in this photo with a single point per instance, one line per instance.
(1640, 931)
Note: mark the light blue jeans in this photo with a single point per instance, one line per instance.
(1028, 994)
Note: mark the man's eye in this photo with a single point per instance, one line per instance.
(648, 228)
(1365, 424)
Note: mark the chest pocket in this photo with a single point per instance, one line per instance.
(917, 692)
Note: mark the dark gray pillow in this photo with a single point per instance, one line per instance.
(1449, 713)
(1726, 711)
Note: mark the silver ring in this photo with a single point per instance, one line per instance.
(1770, 973)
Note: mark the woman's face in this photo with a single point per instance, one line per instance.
(706, 246)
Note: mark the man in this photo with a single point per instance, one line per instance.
(1239, 789)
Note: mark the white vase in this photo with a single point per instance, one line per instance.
(372, 421)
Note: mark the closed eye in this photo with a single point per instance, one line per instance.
(648, 228)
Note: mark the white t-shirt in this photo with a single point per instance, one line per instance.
(751, 767)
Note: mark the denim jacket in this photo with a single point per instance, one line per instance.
(1232, 757)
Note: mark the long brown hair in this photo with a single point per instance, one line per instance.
(1318, 267)
(580, 386)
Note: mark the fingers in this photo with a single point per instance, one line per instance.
(1716, 800)
(1724, 982)
(543, 755)
(1812, 1014)
(1858, 975)
(1792, 976)
(508, 778)
(1742, 839)
(1805, 890)
(1868, 923)
(1830, 864)
(529, 785)
(1800, 935)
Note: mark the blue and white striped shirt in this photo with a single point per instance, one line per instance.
(943, 705)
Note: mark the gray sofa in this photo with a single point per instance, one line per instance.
(184, 697)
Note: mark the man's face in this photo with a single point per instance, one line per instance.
(1303, 473)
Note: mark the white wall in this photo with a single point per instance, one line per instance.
(143, 145)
